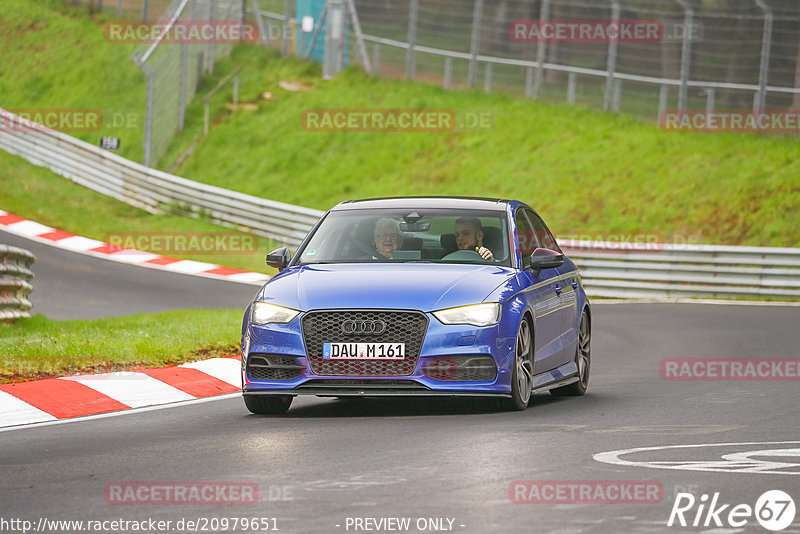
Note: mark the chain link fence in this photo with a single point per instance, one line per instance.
(725, 54)
(172, 66)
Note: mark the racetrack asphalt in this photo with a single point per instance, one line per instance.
(70, 285)
(328, 460)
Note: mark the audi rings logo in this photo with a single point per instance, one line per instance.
(370, 327)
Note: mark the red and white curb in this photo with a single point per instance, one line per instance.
(59, 238)
(52, 399)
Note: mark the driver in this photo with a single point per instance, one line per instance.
(469, 236)
(387, 237)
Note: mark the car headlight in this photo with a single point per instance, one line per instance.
(485, 314)
(264, 312)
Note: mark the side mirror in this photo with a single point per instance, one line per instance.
(279, 258)
(544, 258)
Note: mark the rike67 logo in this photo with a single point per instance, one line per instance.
(774, 510)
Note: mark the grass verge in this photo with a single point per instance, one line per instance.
(44, 348)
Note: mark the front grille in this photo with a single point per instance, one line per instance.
(480, 368)
(407, 327)
(273, 367)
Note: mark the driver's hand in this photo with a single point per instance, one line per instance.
(485, 253)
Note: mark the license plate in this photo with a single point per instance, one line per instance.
(363, 351)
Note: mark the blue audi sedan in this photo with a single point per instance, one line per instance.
(419, 296)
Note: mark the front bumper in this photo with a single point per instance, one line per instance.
(448, 352)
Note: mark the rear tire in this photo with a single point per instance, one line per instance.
(268, 405)
(583, 361)
(522, 372)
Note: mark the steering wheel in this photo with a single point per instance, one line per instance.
(371, 252)
(463, 254)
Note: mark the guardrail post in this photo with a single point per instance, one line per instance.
(541, 52)
(686, 53)
(611, 64)
(411, 57)
(766, 42)
(475, 42)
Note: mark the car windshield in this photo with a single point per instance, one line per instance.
(398, 236)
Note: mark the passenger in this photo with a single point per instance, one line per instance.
(469, 236)
(387, 236)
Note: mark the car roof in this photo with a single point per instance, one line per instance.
(423, 202)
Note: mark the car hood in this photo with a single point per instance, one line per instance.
(426, 287)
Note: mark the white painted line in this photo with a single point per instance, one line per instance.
(736, 462)
(29, 228)
(226, 369)
(133, 389)
(17, 412)
(24, 426)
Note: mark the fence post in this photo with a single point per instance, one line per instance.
(376, 59)
(287, 14)
(119, 9)
(448, 72)
(663, 93)
(487, 77)
(145, 10)
(333, 60)
(766, 42)
(617, 100)
(411, 57)
(686, 53)
(571, 88)
(475, 42)
(541, 51)
(147, 138)
(710, 98)
(528, 82)
(611, 64)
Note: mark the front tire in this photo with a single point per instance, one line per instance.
(522, 373)
(268, 405)
(583, 361)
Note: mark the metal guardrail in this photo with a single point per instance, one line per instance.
(609, 269)
(660, 271)
(15, 282)
(154, 190)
